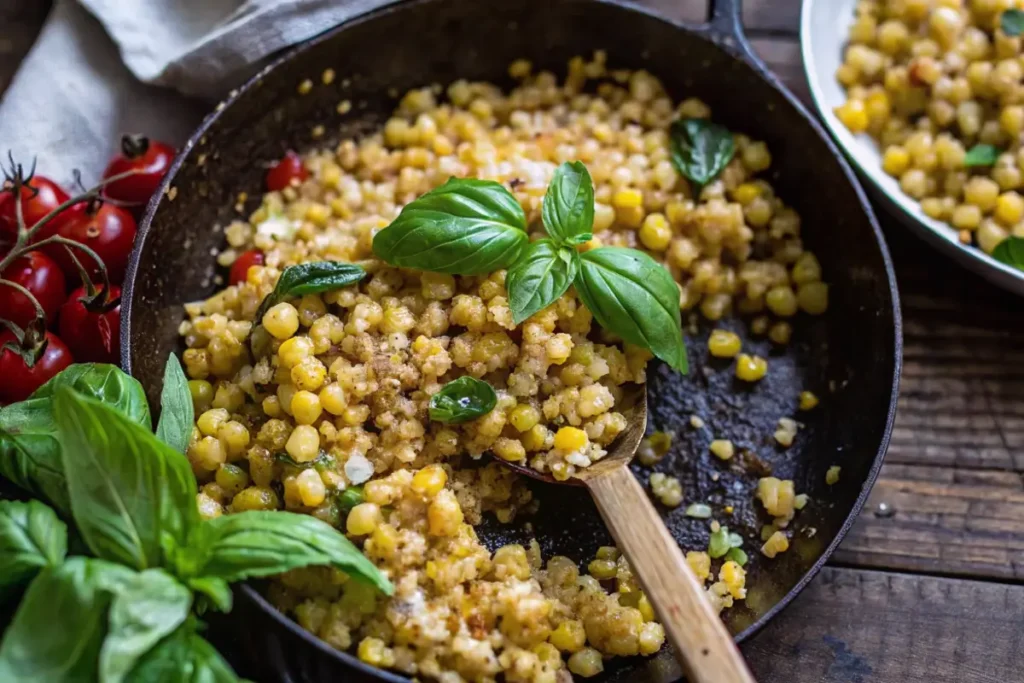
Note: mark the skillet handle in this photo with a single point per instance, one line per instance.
(703, 645)
(725, 26)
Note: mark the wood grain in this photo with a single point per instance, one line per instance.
(857, 626)
(706, 649)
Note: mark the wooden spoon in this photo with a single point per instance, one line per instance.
(705, 649)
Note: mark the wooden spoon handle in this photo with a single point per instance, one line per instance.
(706, 650)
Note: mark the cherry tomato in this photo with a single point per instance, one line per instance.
(38, 198)
(93, 337)
(149, 158)
(288, 169)
(19, 381)
(240, 268)
(40, 275)
(108, 230)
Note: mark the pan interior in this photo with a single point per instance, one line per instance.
(847, 357)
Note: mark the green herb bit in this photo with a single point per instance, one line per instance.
(462, 400)
(1010, 251)
(321, 462)
(981, 155)
(349, 498)
(700, 150)
(699, 511)
(1012, 22)
(737, 555)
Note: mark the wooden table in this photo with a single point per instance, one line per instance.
(935, 592)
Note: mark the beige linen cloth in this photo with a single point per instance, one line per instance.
(101, 68)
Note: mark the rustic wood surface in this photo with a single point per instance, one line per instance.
(933, 591)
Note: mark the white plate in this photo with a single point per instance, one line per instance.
(824, 26)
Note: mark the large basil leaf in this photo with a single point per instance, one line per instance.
(464, 227)
(31, 538)
(700, 149)
(131, 494)
(263, 543)
(56, 634)
(310, 278)
(29, 450)
(568, 208)
(182, 657)
(1010, 251)
(462, 400)
(176, 411)
(146, 608)
(630, 294)
(538, 278)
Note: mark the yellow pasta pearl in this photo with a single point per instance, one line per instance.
(306, 407)
(570, 439)
(430, 480)
(751, 368)
(281, 321)
(363, 519)
(724, 344)
(303, 444)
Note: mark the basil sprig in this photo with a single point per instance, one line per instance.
(464, 227)
(31, 538)
(626, 290)
(1012, 22)
(177, 413)
(462, 400)
(127, 615)
(700, 149)
(630, 294)
(310, 278)
(981, 155)
(1010, 251)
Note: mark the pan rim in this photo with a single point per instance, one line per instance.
(727, 44)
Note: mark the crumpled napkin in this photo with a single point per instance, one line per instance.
(101, 68)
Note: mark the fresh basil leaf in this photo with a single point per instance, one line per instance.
(981, 155)
(737, 555)
(630, 294)
(1012, 22)
(577, 240)
(149, 606)
(265, 542)
(103, 382)
(464, 227)
(568, 207)
(310, 278)
(131, 494)
(539, 278)
(182, 657)
(59, 627)
(321, 462)
(217, 590)
(177, 413)
(700, 149)
(349, 498)
(718, 544)
(1010, 251)
(31, 538)
(462, 400)
(29, 449)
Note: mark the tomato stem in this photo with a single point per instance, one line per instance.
(31, 340)
(134, 145)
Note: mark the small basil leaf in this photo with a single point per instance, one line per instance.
(718, 544)
(737, 555)
(630, 294)
(1010, 251)
(700, 149)
(320, 462)
(568, 207)
(263, 543)
(31, 538)
(981, 155)
(539, 278)
(217, 590)
(29, 450)
(462, 400)
(310, 278)
(464, 227)
(182, 657)
(579, 239)
(176, 411)
(149, 606)
(1012, 22)
(58, 630)
(131, 494)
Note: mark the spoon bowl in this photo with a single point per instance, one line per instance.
(703, 646)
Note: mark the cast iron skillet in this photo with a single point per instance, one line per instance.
(849, 357)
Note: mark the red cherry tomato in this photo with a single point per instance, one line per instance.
(108, 230)
(240, 268)
(40, 275)
(288, 169)
(38, 198)
(150, 160)
(93, 337)
(19, 381)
